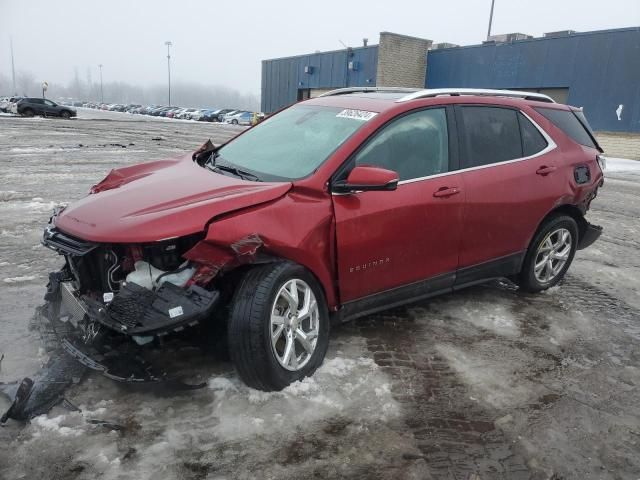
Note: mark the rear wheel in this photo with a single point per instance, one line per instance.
(278, 326)
(550, 254)
(27, 112)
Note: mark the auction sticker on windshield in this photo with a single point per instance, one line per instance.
(356, 114)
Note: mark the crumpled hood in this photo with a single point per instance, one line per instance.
(160, 200)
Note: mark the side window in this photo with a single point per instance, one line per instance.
(532, 140)
(49, 103)
(492, 135)
(37, 101)
(415, 145)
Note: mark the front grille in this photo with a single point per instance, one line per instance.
(72, 304)
(64, 243)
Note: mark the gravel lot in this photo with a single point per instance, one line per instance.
(485, 383)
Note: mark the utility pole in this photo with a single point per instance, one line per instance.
(101, 91)
(13, 68)
(490, 19)
(168, 44)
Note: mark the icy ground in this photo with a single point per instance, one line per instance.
(487, 383)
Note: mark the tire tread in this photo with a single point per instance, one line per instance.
(246, 337)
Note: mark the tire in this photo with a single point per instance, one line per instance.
(234, 121)
(551, 237)
(259, 361)
(27, 112)
(65, 114)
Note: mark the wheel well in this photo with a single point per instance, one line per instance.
(573, 212)
(230, 280)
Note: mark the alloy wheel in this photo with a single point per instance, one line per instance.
(294, 324)
(552, 255)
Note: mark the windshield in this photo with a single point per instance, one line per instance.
(291, 144)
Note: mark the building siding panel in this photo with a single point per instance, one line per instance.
(283, 77)
(600, 69)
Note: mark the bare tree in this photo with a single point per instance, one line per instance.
(27, 85)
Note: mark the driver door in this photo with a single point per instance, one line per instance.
(408, 237)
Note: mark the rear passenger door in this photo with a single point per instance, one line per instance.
(508, 167)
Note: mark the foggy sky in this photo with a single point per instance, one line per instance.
(223, 42)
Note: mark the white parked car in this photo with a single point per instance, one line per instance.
(4, 102)
(184, 114)
(242, 118)
(229, 115)
(196, 115)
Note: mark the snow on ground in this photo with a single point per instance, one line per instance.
(621, 165)
(27, 278)
(213, 425)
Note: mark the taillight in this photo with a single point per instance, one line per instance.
(602, 162)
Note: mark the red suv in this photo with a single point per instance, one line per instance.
(336, 207)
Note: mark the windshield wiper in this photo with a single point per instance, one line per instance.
(236, 171)
(213, 165)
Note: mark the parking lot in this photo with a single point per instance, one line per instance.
(482, 384)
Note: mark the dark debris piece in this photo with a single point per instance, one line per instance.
(37, 395)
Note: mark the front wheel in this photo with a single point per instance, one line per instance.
(278, 326)
(234, 121)
(64, 114)
(550, 254)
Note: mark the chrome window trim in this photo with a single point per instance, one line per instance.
(551, 145)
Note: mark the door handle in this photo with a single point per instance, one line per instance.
(545, 170)
(446, 192)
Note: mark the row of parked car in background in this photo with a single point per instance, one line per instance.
(32, 106)
(222, 115)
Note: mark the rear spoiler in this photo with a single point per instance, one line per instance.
(579, 113)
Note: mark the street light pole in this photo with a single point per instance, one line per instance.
(168, 44)
(101, 91)
(490, 19)
(13, 69)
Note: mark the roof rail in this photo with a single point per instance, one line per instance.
(435, 92)
(344, 91)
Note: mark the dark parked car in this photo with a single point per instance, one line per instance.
(28, 107)
(336, 207)
(207, 115)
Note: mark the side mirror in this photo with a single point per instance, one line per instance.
(367, 179)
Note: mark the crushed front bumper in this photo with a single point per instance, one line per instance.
(108, 337)
(136, 311)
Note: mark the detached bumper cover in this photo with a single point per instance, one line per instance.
(590, 235)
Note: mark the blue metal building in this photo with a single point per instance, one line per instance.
(287, 80)
(596, 70)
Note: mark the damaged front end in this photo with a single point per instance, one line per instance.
(110, 300)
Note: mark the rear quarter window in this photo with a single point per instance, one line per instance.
(566, 121)
(532, 140)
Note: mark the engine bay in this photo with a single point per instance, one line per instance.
(111, 298)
